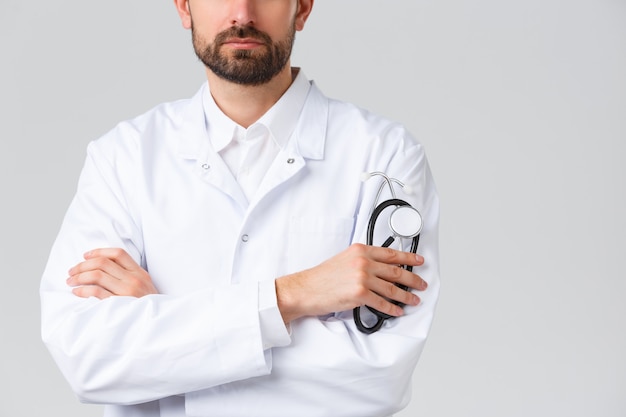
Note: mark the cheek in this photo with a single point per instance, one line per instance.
(206, 22)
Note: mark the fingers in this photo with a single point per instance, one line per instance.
(117, 255)
(385, 297)
(101, 272)
(391, 256)
(384, 276)
(92, 291)
(384, 306)
(388, 291)
(109, 271)
(383, 263)
(397, 275)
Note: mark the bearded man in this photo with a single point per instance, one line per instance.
(215, 245)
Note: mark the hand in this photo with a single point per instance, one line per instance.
(107, 272)
(360, 275)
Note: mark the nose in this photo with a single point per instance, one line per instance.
(243, 12)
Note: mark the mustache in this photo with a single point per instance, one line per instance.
(242, 32)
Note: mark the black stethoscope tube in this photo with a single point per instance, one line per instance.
(381, 317)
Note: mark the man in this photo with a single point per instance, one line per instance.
(213, 244)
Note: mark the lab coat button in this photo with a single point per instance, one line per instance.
(206, 167)
(244, 238)
(291, 161)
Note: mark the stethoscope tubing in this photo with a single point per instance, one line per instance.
(381, 317)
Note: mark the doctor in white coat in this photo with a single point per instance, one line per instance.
(213, 253)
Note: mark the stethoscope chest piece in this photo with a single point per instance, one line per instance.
(405, 222)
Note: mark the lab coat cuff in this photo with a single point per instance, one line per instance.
(274, 333)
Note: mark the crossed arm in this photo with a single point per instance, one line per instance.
(368, 277)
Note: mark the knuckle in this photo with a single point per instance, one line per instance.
(361, 293)
(97, 275)
(91, 277)
(358, 288)
(361, 277)
(99, 263)
(90, 291)
(360, 263)
(383, 306)
(80, 278)
(396, 273)
(391, 255)
(390, 291)
(358, 249)
(101, 293)
(116, 253)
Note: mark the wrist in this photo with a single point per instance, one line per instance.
(289, 305)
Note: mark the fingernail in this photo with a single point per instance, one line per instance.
(420, 258)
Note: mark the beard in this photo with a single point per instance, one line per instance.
(245, 67)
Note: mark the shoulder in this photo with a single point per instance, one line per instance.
(357, 124)
(150, 129)
(361, 117)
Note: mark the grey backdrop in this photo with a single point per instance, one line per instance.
(520, 104)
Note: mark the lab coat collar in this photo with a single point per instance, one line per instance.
(309, 138)
(220, 129)
(307, 141)
(282, 118)
(188, 123)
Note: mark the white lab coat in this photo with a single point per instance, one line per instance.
(154, 187)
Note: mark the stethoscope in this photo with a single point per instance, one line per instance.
(405, 222)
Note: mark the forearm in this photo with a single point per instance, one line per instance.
(359, 275)
(130, 350)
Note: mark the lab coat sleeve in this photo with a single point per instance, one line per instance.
(126, 350)
(333, 369)
(376, 375)
(371, 374)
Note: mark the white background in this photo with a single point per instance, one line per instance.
(521, 106)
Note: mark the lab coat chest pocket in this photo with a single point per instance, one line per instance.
(314, 239)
